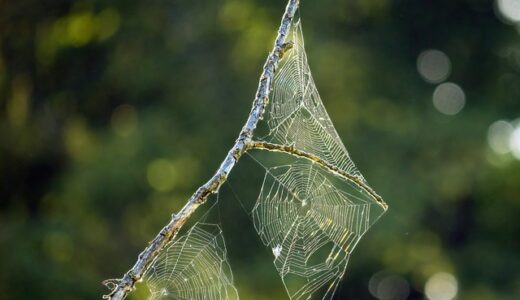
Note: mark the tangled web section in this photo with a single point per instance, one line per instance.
(309, 216)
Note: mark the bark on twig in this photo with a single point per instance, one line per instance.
(121, 287)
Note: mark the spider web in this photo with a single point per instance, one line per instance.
(310, 217)
(296, 116)
(195, 266)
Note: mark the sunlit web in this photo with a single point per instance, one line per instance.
(296, 116)
(310, 218)
(194, 267)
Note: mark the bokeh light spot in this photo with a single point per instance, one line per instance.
(108, 23)
(514, 142)
(18, 104)
(234, 15)
(441, 286)
(499, 134)
(58, 247)
(509, 10)
(81, 29)
(124, 120)
(434, 66)
(449, 98)
(386, 286)
(79, 140)
(161, 175)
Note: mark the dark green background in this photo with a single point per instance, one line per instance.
(113, 112)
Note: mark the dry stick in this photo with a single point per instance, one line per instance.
(332, 168)
(121, 287)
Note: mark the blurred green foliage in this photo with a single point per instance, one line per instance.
(113, 113)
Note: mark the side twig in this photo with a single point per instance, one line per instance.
(332, 168)
(121, 287)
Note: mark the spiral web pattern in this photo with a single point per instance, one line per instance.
(310, 218)
(194, 267)
(311, 221)
(296, 116)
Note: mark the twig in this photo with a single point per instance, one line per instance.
(121, 287)
(332, 168)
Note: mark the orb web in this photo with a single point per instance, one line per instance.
(311, 221)
(296, 116)
(195, 267)
(310, 217)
